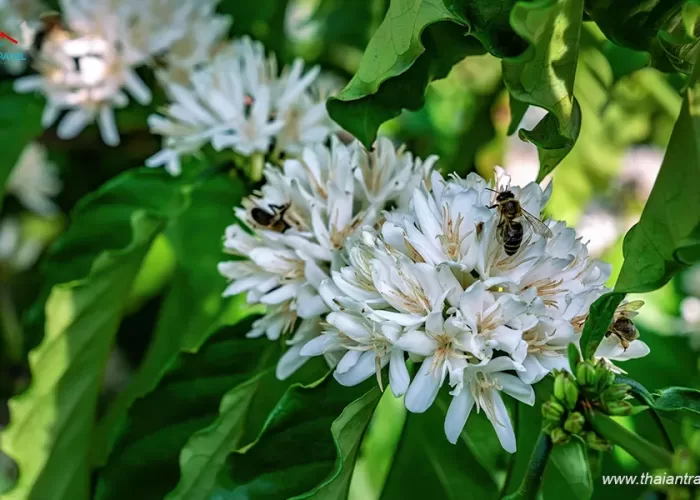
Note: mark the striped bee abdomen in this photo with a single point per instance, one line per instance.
(512, 237)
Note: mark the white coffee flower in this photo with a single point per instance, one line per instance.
(367, 347)
(482, 387)
(87, 67)
(240, 101)
(544, 349)
(34, 180)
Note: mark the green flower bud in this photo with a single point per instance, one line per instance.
(683, 462)
(553, 410)
(574, 423)
(560, 436)
(595, 442)
(571, 393)
(585, 373)
(559, 380)
(616, 392)
(618, 408)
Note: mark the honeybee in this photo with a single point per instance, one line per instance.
(623, 326)
(274, 220)
(510, 227)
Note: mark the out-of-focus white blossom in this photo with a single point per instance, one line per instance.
(240, 101)
(87, 67)
(521, 159)
(18, 251)
(640, 166)
(34, 180)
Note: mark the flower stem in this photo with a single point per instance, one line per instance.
(535, 470)
(257, 163)
(648, 453)
(11, 326)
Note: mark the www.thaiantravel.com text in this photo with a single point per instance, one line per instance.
(652, 479)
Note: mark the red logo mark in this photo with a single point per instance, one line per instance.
(8, 37)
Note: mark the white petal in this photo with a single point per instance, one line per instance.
(424, 388)
(72, 124)
(363, 369)
(516, 388)
(501, 423)
(290, 362)
(349, 360)
(417, 342)
(457, 415)
(108, 127)
(398, 373)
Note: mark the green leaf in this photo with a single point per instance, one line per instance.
(101, 226)
(544, 74)
(678, 398)
(680, 404)
(574, 356)
(571, 463)
(641, 449)
(53, 419)
(20, 123)
(661, 28)
(427, 465)
(144, 463)
(600, 317)
(407, 52)
(242, 413)
(671, 217)
(298, 449)
(348, 431)
(206, 450)
(193, 307)
(517, 111)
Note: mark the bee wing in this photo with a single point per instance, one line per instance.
(633, 306)
(629, 309)
(537, 225)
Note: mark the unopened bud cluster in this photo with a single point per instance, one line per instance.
(593, 386)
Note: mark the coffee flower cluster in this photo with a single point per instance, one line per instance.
(428, 281)
(241, 102)
(87, 58)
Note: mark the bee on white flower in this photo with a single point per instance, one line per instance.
(298, 224)
(87, 63)
(436, 273)
(240, 101)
